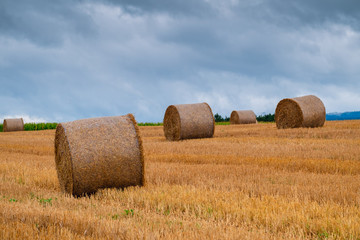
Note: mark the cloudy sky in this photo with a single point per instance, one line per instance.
(67, 60)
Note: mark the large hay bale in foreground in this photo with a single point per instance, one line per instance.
(13, 124)
(187, 121)
(306, 111)
(242, 117)
(98, 153)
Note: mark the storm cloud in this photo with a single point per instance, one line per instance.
(65, 60)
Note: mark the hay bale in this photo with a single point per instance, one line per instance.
(13, 124)
(187, 121)
(243, 117)
(306, 111)
(98, 153)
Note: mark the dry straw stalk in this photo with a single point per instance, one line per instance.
(13, 124)
(99, 153)
(306, 111)
(243, 117)
(186, 121)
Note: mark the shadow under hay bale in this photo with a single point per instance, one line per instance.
(242, 117)
(13, 124)
(96, 153)
(306, 111)
(186, 121)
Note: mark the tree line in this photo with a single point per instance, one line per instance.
(261, 118)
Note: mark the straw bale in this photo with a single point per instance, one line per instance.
(96, 153)
(242, 117)
(186, 121)
(306, 111)
(13, 124)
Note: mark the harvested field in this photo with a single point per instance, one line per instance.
(248, 182)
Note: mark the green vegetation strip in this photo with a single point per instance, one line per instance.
(150, 124)
(219, 120)
(39, 126)
(35, 126)
(222, 123)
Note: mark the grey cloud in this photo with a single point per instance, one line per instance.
(178, 7)
(312, 11)
(45, 23)
(116, 57)
(292, 12)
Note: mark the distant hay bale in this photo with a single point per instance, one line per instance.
(96, 153)
(242, 117)
(187, 121)
(306, 111)
(13, 124)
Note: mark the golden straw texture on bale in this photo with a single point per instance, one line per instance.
(96, 153)
(13, 124)
(306, 111)
(186, 121)
(243, 117)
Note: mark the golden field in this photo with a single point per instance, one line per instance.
(248, 182)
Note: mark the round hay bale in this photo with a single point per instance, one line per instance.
(13, 124)
(243, 117)
(186, 121)
(306, 111)
(96, 153)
